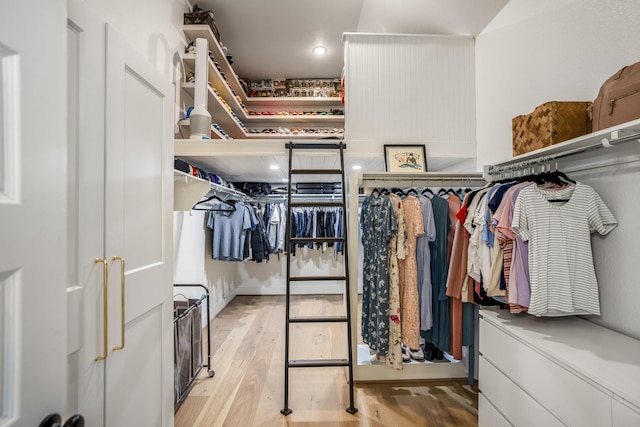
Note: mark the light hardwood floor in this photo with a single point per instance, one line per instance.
(247, 390)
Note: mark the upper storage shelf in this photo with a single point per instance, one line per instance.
(605, 137)
(266, 112)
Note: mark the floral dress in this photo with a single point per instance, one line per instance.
(397, 250)
(378, 224)
(409, 297)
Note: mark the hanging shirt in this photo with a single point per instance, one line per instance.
(282, 231)
(561, 271)
(229, 232)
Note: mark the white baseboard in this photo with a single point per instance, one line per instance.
(217, 308)
(309, 288)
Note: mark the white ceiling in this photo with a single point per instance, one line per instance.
(273, 39)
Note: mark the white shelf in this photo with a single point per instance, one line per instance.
(219, 113)
(578, 144)
(306, 136)
(235, 147)
(294, 121)
(284, 102)
(203, 31)
(218, 82)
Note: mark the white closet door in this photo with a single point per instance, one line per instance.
(139, 199)
(32, 211)
(86, 99)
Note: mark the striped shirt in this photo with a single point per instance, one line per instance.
(561, 271)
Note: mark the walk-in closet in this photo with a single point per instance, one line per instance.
(363, 213)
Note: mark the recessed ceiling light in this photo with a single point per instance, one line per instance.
(319, 50)
(274, 167)
(284, 180)
(356, 167)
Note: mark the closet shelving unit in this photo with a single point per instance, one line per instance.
(231, 91)
(357, 180)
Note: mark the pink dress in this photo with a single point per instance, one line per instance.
(408, 274)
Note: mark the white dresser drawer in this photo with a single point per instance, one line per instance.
(516, 405)
(488, 415)
(569, 398)
(624, 416)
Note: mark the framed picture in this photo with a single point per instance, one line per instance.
(405, 158)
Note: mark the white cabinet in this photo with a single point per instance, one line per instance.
(624, 415)
(560, 371)
(488, 415)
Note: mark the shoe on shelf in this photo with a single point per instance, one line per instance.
(429, 351)
(406, 357)
(416, 354)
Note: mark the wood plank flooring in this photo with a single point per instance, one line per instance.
(247, 346)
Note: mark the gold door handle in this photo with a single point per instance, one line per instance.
(119, 258)
(105, 287)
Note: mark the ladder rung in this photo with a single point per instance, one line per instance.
(315, 145)
(317, 239)
(317, 171)
(315, 278)
(318, 319)
(315, 204)
(317, 363)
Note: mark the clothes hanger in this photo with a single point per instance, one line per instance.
(384, 192)
(442, 192)
(412, 191)
(427, 191)
(398, 192)
(230, 203)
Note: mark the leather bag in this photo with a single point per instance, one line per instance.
(619, 98)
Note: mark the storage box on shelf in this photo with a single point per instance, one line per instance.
(287, 112)
(548, 124)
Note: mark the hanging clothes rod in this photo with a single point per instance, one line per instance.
(282, 198)
(601, 139)
(221, 191)
(428, 179)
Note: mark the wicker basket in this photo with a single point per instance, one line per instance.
(550, 123)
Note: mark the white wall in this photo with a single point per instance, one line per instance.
(547, 50)
(193, 263)
(153, 27)
(411, 89)
(535, 52)
(270, 278)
